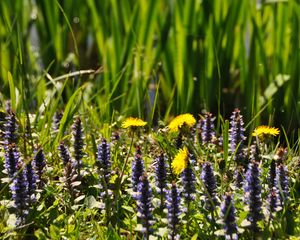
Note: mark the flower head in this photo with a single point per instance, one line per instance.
(208, 134)
(133, 123)
(263, 131)
(180, 161)
(178, 122)
(173, 206)
(137, 168)
(228, 214)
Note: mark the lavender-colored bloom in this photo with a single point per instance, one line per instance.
(228, 217)
(137, 168)
(173, 206)
(188, 183)
(20, 194)
(103, 162)
(209, 181)
(273, 202)
(64, 153)
(78, 143)
(11, 126)
(12, 156)
(253, 199)
(208, 134)
(31, 181)
(39, 162)
(282, 183)
(237, 136)
(70, 177)
(239, 176)
(145, 206)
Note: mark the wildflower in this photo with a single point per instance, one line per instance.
(282, 182)
(180, 121)
(237, 136)
(173, 206)
(31, 181)
(103, 162)
(64, 153)
(208, 134)
(180, 161)
(78, 143)
(39, 164)
(145, 207)
(11, 126)
(20, 194)
(265, 131)
(12, 156)
(188, 183)
(133, 123)
(273, 202)
(253, 199)
(209, 181)
(137, 168)
(228, 217)
(161, 177)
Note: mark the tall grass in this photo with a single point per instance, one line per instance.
(191, 55)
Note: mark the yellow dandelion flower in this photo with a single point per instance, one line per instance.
(262, 131)
(183, 119)
(179, 163)
(133, 123)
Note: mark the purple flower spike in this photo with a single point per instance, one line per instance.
(208, 134)
(188, 183)
(161, 177)
(31, 181)
(20, 194)
(228, 217)
(173, 206)
(253, 199)
(64, 154)
(137, 168)
(11, 126)
(39, 165)
(104, 164)
(237, 137)
(12, 156)
(282, 183)
(78, 143)
(145, 207)
(209, 181)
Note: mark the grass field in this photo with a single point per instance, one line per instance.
(71, 72)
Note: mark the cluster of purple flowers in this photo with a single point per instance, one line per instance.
(137, 168)
(78, 143)
(206, 128)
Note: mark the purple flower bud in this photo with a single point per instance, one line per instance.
(145, 206)
(228, 217)
(137, 168)
(56, 120)
(173, 206)
(253, 199)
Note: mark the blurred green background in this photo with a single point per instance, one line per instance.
(153, 58)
